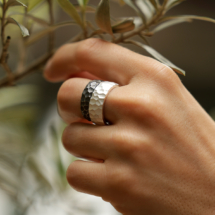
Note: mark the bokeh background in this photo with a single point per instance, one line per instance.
(32, 159)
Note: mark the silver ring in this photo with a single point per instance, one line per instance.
(97, 101)
(86, 95)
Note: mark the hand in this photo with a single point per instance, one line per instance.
(158, 156)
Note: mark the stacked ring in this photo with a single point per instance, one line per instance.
(86, 96)
(93, 99)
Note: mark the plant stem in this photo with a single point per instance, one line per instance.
(51, 35)
(5, 45)
(39, 63)
(154, 20)
(42, 61)
(3, 22)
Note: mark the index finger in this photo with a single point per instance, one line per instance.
(102, 59)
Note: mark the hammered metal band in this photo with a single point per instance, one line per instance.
(97, 101)
(86, 96)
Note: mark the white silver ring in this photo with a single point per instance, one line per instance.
(96, 105)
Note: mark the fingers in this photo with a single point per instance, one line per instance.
(88, 141)
(87, 177)
(102, 59)
(69, 101)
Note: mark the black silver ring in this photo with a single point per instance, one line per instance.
(86, 96)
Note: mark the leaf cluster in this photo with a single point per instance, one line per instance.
(151, 17)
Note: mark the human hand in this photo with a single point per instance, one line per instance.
(158, 156)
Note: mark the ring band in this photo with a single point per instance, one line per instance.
(96, 106)
(86, 95)
(93, 99)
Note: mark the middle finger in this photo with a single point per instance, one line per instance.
(89, 141)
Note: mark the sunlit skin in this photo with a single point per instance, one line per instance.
(158, 156)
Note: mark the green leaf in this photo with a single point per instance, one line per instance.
(69, 8)
(158, 56)
(11, 3)
(32, 3)
(103, 16)
(23, 29)
(124, 26)
(170, 23)
(83, 2)
(39, 35)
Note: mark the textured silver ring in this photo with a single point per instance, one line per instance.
(97, 101)
(86, 96)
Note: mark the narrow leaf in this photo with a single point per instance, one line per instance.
(124, 26)
(135, 8)
(11, 3)
(172, 3)
(170, 23)
(146, 8)
(191, 17)
(39, 35)
(69, 8)
(103, 16)
(158, 56)
(33, 3)
(83, 2)
(23, 29)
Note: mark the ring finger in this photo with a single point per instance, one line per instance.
(69, 100)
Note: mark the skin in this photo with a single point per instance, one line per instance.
(158, 156)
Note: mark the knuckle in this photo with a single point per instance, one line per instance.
(145, 106)
(128, 145)
(119, 178)
(167, 77)
(86, 49)
(120, 139)
(165, 72)
(148, 104)
(139, 106)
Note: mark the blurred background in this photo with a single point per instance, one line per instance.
(32, 160)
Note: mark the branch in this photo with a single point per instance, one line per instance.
(51, 35)
(3, 22)
(30, 69)
(4, 54)
(42, 61)
(154, 20)
(34, 66)
(5, 45)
